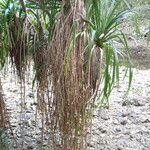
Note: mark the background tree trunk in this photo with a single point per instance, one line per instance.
(2, 109)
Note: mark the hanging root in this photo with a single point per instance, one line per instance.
(73, 84)
(18, 33)
(2, 110)
(40, 65)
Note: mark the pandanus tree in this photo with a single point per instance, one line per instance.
(71, 43)
(83, 32)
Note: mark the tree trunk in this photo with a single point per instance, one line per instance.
(70, 95)
(2, 109)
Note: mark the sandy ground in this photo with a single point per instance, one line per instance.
(126, 124)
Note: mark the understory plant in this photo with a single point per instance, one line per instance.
(103, 20)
